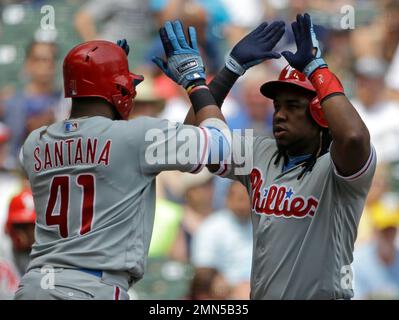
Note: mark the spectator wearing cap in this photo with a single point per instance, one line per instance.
(149, 100)
(376, 263)
(379, 114)
(35, 105)
(9, 184)
(224, 239)
(19, 226)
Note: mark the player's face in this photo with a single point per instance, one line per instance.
(293, 127)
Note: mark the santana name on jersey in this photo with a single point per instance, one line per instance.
(71, 152)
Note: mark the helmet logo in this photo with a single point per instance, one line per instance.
(289, 71)
(72, 87)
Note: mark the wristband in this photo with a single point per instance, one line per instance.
(326, 83)
(313, 65)
(194, 88)
(201, 97)
(234, 66)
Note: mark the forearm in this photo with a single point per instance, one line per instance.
(351, 139)
(344, 122)
(219, 87)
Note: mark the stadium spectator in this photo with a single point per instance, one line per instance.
(197, 191)
(9, 184)
(148, 101)
(34, 106)
(224, 239)
(376, 264)
(191, 13)
(254, 111)
(19, 227)
(380, 115)
(208, 284)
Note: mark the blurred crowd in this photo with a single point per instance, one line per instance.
(202, 240)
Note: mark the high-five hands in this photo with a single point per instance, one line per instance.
(307, 58)
(256, 47)
(183, 61)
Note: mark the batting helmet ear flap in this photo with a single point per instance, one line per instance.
(317, 113)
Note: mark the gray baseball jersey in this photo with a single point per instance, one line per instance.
(93, 181)
(304, 230)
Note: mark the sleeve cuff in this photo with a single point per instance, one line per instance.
(203, 149)
(362, 171)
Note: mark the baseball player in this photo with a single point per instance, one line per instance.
(20, 226)
(93, 175)
(307, 185)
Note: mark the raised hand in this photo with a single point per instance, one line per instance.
(183, 61)
(256, 47)
(307, 58)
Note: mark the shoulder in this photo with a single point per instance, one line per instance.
(325, 161)
(264, 148)
(255, 142)
(147, 122)
(265, 142)
(35, 135)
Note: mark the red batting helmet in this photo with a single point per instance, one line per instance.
(21, 210)
(290, 77)
(100, 69)
(4, 133)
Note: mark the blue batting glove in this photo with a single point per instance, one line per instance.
(183, 61)
(255, 47)
(123, 44)
(305, 59)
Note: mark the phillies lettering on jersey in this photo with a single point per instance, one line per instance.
(279, 200)
(303, 255)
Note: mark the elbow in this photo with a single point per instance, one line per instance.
(357, 139)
